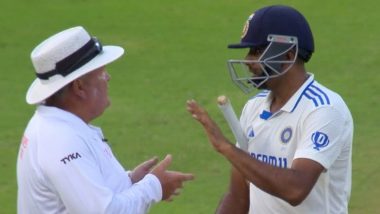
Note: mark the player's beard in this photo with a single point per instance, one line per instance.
(263, 86)
(258, 82)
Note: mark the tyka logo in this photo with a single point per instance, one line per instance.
(70, 157)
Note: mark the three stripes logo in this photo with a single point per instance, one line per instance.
(316, 95)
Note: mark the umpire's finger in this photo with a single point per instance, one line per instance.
(183, 176)
(150, 163)
(165, 163)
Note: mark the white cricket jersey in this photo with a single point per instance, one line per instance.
(314, 124)
(65, 166)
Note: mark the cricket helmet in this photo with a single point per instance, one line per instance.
(274, 30)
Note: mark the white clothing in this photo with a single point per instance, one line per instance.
(65, 166)
(314, 124)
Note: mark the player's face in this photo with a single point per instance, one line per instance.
(254, 67)
(96, 84)
(264, 64)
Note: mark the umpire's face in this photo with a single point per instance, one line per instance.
(96, 87)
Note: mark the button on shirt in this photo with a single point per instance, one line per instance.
(315, 124)
(65, 166)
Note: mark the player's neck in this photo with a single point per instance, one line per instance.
(285, 88)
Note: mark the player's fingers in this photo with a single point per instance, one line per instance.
(196, 111)
(193, 106)
(190, 104)
(197, 115)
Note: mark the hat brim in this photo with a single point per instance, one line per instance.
(39, 90)
(241, 45)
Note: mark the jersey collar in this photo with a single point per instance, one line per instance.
(292, 103)
(72, 119)
(57, 113)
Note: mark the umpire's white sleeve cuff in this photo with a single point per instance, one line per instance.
(155, 185)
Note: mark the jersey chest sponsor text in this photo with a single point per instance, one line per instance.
(281, 162)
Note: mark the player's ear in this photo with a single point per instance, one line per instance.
(290, 55)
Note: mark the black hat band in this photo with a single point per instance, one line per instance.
(75, 60)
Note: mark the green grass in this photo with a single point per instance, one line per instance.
(176, 50)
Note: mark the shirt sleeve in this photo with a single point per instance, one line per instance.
(322, 136)
(72, 169)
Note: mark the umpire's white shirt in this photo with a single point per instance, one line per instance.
(314, 124)
(64, 166)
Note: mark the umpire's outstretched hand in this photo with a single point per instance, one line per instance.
(171, 181)
(142, 169)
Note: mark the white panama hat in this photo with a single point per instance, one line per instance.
(64, 57)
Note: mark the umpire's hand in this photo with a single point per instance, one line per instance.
(142, 169)
(171, 181)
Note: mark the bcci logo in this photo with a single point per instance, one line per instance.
(246, 26)
(286, 135)
(320, 140)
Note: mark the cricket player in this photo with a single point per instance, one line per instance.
(65, 164)
(299, 132)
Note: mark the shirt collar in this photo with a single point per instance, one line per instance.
(294, 100)
(57, 113)
(74, 120)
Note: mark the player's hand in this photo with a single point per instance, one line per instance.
(171, 181)
(214, 134)
(142, 169)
